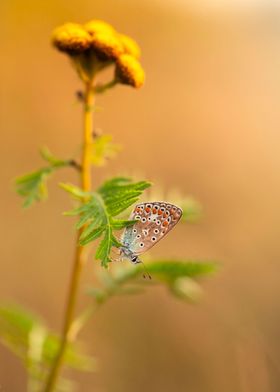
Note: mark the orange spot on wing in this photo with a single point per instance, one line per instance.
(165, 223)
(147, 209)
(159, 212)
(154, 210)
(164, 215)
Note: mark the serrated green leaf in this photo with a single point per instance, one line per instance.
(119, 224)
(98, 211)
(92, 234)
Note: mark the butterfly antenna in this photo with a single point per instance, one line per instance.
(146, 274)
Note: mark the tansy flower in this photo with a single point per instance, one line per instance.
(97, 26)
(130, 46)
(129, 71)
(71, 38)
(107, 46)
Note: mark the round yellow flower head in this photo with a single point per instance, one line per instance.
(130, 46)
(71, 38)
(107, 46)
(129, 71)
(96, 26)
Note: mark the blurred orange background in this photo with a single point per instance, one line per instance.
(206, 123)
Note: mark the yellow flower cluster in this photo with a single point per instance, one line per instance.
(97, 44)
(129, 71)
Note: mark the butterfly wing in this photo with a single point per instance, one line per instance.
(155, 220)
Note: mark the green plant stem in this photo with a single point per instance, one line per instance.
(100, 89)
(80, 256)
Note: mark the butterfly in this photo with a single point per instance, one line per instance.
(155, 220)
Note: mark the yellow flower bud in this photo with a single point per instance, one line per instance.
(97, 26)
(107, 46)
(129, 71)
(130, 46)
(71, 38)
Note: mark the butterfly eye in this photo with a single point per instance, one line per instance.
(134, 231)
(141, 244)
(143, 220)
(156, 231)
(153, 239)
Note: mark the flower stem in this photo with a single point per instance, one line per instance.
(80, 256)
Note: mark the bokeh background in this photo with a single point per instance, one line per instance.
(206, 123)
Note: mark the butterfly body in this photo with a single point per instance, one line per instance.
(154, 221)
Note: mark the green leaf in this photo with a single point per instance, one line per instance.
(74, 190)
(91, 234)
(32, 187)
(98, 210)
(50, 158)
(103, 149)
(169, 269)
(178, 276)
(26, 335)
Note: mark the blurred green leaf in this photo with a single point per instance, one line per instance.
(176, 275)
(98, 210)
(29, 339)
(103, 149)
(32, 186)
(169, 270)
(51, 159)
